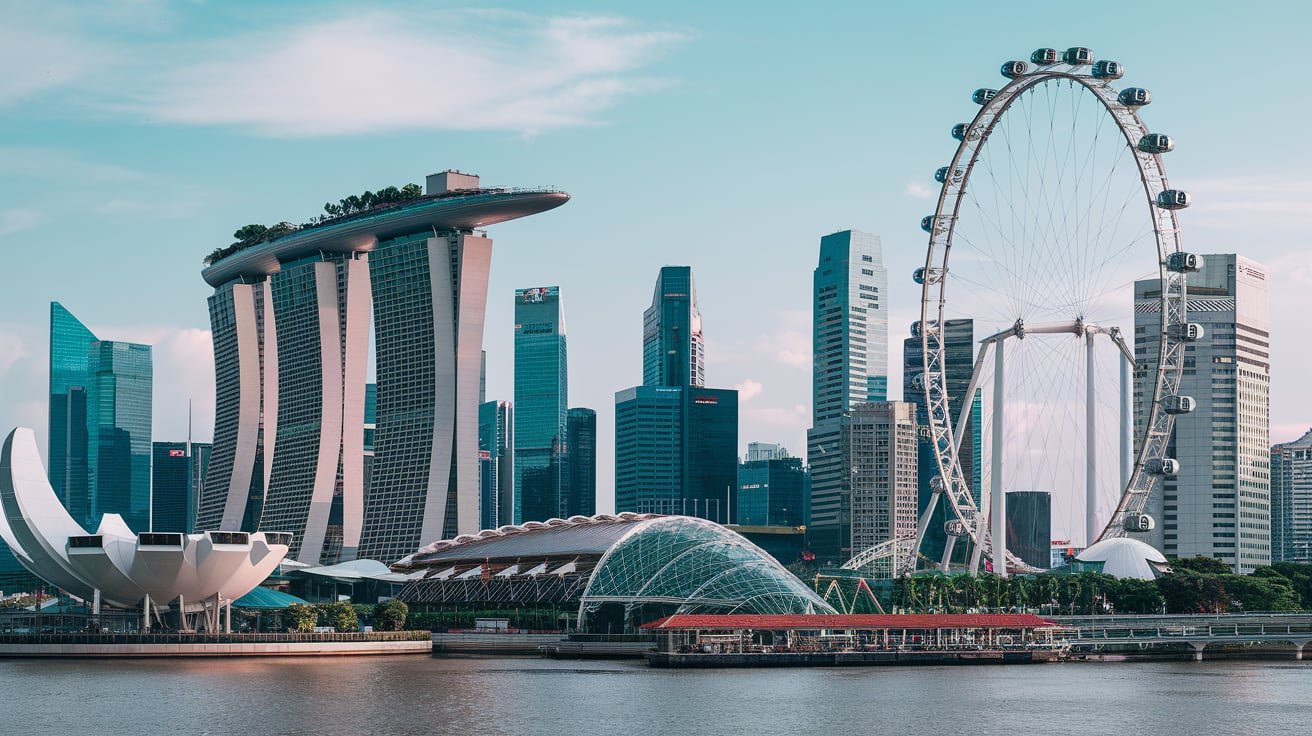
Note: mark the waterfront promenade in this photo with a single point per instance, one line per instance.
(183, 644)
(1231, 634)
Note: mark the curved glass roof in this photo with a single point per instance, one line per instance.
(699, 566)
(577, 535)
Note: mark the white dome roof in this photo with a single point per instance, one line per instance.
(1123, 557)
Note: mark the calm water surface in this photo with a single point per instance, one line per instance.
(417, 694)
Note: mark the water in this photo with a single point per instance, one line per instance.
(418, 694)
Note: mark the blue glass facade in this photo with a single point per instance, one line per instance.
(676, 451)
(773, 493)
(496, 463)
(541, 403)
(959, 350)
(119, 405)
(70, 379)
(581, 441)
(176, 479)
(673, 351)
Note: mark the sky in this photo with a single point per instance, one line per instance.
(135, 137)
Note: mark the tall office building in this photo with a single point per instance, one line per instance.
(676, 451)
(773, 491)
(496, 457)
(673, 350)
(1291, 501)
(883, 473)
(370, 431)
(1219, 505)
(176, 478)
(581, 446)
(541, 403)
(290, 319)
(850, 367)
(70, 379)
(1029, 526)
(958, 337)
(676, 442)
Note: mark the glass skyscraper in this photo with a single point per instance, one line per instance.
(959, 347)
(1291, 501)
(773, 492)
(496, 421)
(119, 405)
(1219, 504)
(676, 442)
(849, 367)
(70, 380)
(176, 479)
(673, 351)
(581, 444)
(541, 404)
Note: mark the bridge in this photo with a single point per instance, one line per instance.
(1127, 634)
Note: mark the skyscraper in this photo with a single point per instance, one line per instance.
(676, 442)
(1029, 526)
(290, 320)
(176, 479)
(958, 337)
(496, 445)
(673, 351)
(850, 367)
(884, 483)
(766, 451)
(581, 443)
(773, 491)
(541, 402)
(1219, 505)
(1291, 501)
(70, 379)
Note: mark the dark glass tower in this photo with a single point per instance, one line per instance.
(176, 479)
(959, 349)
(581, 444)
(118, 432)
(1029, 526)
(496, 463)
(70, 379)
(775, 492)
(673, 352)
(541, 402)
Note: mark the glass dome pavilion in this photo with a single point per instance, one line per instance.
(620, 570)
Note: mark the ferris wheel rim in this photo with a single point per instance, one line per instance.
(1166, 237)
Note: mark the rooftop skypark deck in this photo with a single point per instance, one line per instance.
(449, 210)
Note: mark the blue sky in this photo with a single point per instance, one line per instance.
(136, 136)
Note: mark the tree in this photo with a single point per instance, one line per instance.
(390, 615)
(341, 615)
(1201, 565)
(303, 618)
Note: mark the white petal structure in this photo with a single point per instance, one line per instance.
(122, 566)
(1123, 557)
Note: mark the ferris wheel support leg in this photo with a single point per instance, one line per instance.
(1090, 445)
(997, 490)
(980, 536)
(1127, 426)
(923, 525)
(944, 564)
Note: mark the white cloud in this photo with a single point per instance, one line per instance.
(1251, 203)
(18, 219)
(748, 389)
(35, 62)
(415, 70)
(12, 350)
(919, 190)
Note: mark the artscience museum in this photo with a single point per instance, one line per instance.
(195, 577)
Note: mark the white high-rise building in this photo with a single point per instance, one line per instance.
(849, 367)
(1219, 505)
(883, 473)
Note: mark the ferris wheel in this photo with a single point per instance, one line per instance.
(1055, 223)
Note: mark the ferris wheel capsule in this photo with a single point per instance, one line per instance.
(922, 275)
(927, 223)
(1013, 69)
(1181, 262)
(1135, 97)
(959, 131)
(1156, 143)
(1185, 332)
(955, 528)
(941, 176)
(1104, 69)
(1138, 523)
(1173, 199)
(1044, 57)
(983, 95)
(1078, 56)
(1178, 404)
(1162, 466)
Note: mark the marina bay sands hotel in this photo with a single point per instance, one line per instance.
(291, 321)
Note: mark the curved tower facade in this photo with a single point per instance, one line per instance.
(291, 319)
